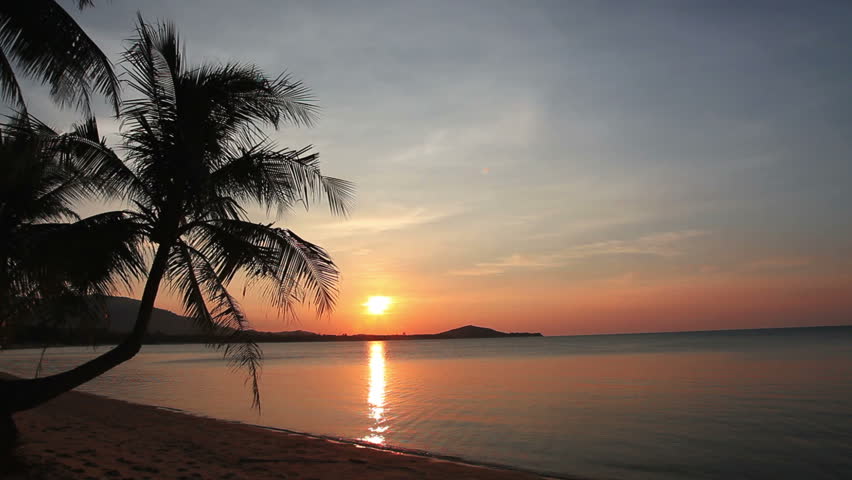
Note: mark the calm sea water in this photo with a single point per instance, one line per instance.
(745, 404)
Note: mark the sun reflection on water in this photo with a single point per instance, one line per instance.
(376, 395)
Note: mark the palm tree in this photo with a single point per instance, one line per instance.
(52, 262)
(196, 152)
(42, 240)
(45, 42)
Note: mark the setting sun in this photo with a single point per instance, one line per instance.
(377, 305)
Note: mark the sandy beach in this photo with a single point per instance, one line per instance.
(84, 436)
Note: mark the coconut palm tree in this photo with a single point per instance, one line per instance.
(42, 239)
(196, 154)
(45, 42)
(52, 263)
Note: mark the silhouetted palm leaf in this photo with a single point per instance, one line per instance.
(47, 44)
(207, 300)
(10, 90)
(49, 255)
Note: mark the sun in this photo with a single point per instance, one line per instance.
(377, 305)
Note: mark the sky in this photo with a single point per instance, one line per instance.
(568, 167)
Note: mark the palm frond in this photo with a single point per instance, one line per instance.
(294, 100)
(212, 206)
(10, 90)
(88, 153)
(55, 195)
(339, 194)
(257, 170)
(152, 75)
(64, 58)
(241, 95)
(94, 255)
(80, 152)
(207, 300)
(286, 264)
(35, 187)
(261, 173)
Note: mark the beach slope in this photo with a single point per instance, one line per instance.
(84, 436)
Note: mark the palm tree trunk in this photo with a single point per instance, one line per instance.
(22, 394)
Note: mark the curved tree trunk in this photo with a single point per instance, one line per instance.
(23, 394)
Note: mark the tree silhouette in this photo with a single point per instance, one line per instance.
(45, 42)
(196, 154)
(49, 257)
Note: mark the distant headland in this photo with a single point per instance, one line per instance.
(468, 331)
(169, 327)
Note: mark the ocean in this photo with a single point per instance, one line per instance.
(760, 404)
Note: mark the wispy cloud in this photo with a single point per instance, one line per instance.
(383, 223)
(777, 263)
(480, 270)
(508, 127)
(664, 244)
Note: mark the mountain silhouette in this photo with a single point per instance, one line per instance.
(472, 331)
(121, 314)
(170, 327)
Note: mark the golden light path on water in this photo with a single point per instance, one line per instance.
(376, 395)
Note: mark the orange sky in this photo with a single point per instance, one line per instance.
(537, 301)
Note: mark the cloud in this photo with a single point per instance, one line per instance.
(664, 244)
(777, 263)
(707, 269)
(511, 126)
(384, 223)
(477, 271)
(659, 244)
(518, 260)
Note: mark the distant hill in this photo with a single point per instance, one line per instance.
(169, 327)
(472, 331)
(122, 312)
(117, 321)
(468, 331)
(294, 333)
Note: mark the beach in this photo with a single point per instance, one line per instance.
(84, 436)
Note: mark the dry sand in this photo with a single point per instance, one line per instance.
(84, 436)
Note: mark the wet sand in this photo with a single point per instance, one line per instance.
(84, 436)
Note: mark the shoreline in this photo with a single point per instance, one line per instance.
(83, 435)
(182, 340)
(394, 449)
